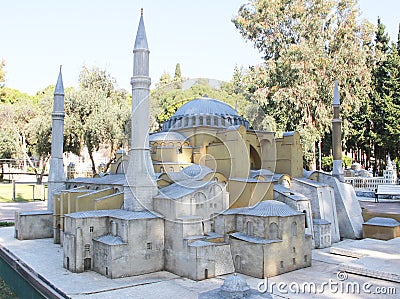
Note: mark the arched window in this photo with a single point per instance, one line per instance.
(238, 263)
(273, 231)
(249, 228)
(294, 228)
(171, 169)
(162, 169)
(305, 219)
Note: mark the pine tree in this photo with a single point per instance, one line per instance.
(178, 77)
(385, 99)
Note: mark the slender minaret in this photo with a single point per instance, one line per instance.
(337, 136)
(140, 187)
(56, 174)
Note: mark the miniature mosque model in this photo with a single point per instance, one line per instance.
(206, 196)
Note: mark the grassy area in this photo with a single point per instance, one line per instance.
(5, 223)
(23, 192)
(5, 292)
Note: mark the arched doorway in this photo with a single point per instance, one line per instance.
(255, 160)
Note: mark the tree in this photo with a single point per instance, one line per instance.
(178, 74)
(306, 46)
(101, 111)
(385, 99)
(166, 99)
(2, 71)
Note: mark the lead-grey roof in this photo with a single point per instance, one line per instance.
(197, 171)
(166, 136)
(181, 189)
(201, 243)
(205, 105)
(321, 221)
(192, 172)
(289, 133)
(263, 172)
(111, 179)
(110, 240)
(119, 214)
(45, 212)
(381, 221)
(267, 208)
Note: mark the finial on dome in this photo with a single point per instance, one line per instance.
(141, 11)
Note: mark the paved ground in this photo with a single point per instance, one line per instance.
(159, 285)
(7, 210)
(386, 206)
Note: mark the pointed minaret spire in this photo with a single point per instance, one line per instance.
(59, 90)
(140, 187)
(336, 99)
(141, 39)
(56, 173)
(337, 136)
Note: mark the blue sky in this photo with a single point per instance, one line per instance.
(37, 36)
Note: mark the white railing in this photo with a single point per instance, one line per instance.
(366, 183)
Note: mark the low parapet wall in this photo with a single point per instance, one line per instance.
(33, 225)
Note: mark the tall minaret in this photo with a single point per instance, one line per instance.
(56, 174)
(337, 136)
(140, 187)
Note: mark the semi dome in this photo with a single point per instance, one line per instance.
(204, 112)
(166, 136)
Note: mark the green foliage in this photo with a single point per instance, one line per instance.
(167, 98)
(2, 71)
(327, 162)
(12, 96)
(100, 113)
(306, 46)
(8, 143)
(6, 224)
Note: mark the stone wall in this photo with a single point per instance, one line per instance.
(33, 225)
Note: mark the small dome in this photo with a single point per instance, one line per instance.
(235, 286)
(166, 136)
(205, 105)
(195, 170)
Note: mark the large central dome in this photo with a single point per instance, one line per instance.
(206, 106)
(204, 111)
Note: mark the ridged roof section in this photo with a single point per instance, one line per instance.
(381, 221)
(110, 240)
(267, 208)
(205, 105)
(120, 214)
(181, 189)
(166, 136)
(197, 171)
